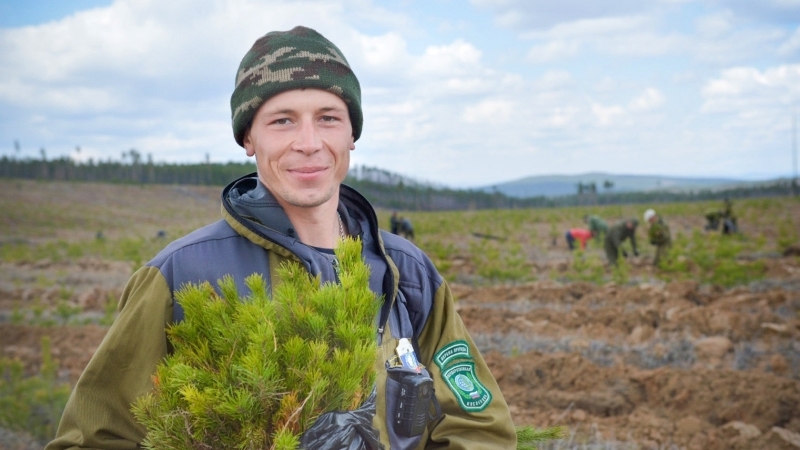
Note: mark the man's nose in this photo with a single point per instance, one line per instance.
(308, 139)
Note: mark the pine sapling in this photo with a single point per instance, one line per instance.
(255, 372)
(528, 437)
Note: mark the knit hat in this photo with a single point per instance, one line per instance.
(284, 60)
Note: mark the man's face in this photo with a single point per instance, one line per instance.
(302, 141)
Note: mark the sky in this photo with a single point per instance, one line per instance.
(458, 93)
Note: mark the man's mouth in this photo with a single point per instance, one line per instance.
(308, 169)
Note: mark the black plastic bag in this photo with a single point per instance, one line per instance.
(344, 430)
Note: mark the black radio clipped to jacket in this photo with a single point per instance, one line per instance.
(413, 405)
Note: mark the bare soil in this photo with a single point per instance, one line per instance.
(652, 364)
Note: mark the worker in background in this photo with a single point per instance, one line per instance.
(616, 236)
(405, 228)
(728, 218)
(658, 234)
(394, 223)
(597, 226)
(582, 235)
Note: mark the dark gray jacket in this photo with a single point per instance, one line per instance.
(255, 235)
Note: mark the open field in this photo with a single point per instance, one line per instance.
(701, 354)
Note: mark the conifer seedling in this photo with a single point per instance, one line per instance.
(255, 372)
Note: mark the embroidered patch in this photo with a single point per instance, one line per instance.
(450, 352)
(472, 395)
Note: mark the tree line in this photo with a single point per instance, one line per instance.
(133, 171)
(381, 187)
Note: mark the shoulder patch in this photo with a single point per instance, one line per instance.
(450, 352)
(471, 394)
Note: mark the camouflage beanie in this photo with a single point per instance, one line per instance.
(295, 59)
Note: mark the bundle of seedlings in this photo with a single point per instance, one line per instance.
(256, 372)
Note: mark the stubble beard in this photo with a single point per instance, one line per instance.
(298, 200)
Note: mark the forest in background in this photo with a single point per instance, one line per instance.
(381, 187)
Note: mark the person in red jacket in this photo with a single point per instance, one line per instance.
(580, 234)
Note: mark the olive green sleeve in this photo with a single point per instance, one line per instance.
(97, 415)
(473, 419)
(633, 241)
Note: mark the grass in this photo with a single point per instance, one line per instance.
(498, 263)
(32, 404)
(64, 313)
(516, 240)
(713, 258)
(135, 250)
(516, 243)
(586, 266)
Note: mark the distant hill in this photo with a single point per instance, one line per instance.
(561, 185)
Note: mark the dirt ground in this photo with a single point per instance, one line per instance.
(658, 364)
(651, 364)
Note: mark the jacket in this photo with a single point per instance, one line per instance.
(582, 235)
(255, 235)
(597, 225)
(619, 232)
(659, 234)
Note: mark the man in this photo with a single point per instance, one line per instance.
(406, 229)
(394, 223)
(658, 234)
(296, 108)
(597, 226)
(728, 218)
(616, 236)
(582, 235)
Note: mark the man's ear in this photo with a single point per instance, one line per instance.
(352, 143)
(248, 144)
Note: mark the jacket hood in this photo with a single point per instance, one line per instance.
(250, 208)
(248, 200)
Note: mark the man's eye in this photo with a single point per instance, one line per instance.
(329, 119)
(282, 121)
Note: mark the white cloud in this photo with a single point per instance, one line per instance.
(458, 58)
(607, 84)
(553, 51)
(554, 79)
(385, 53)
(510, 19)
(466, 85)
(600, 26)
(491, 111)
(643, 44)
(562, 117)
(754, 104)
(715, 24)
(404, 108)
(626, 36)
(527, 15)
(779, 84)
(607, 115)
(649, 100)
